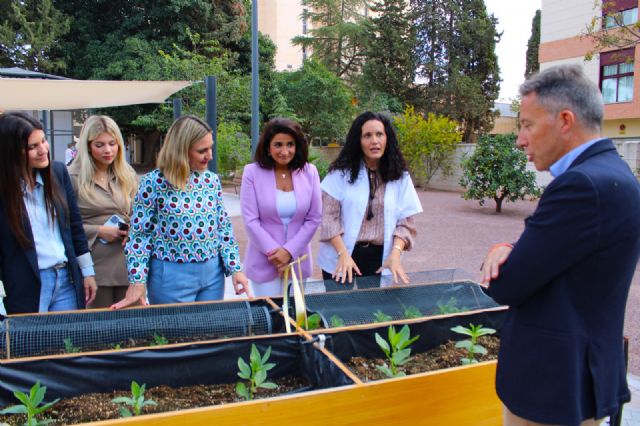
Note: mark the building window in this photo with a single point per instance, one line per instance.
(616, 76)
(619, 12)
(305, 12)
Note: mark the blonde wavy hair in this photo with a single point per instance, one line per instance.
(123, 172)
(173, 160)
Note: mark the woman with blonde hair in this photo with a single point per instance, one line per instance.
(105, 185)
(181, 242)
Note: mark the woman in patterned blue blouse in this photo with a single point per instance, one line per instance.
(181, 242)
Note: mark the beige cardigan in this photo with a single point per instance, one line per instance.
(108, 259)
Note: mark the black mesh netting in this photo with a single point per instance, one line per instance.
(82, 331)
(377, 304)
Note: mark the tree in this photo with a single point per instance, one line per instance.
(457, 61)
(336, 36)
(533, 45)
(389, 50)
(29, 32)
(321, 101)
(611, 29)
(497, 170)
(428, 145)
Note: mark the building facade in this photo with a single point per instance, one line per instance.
(617, 72)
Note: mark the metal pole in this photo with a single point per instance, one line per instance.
(177, 108)
(255, 94)
(211, 118)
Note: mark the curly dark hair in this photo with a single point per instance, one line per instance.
(392, 164)
(289, 127)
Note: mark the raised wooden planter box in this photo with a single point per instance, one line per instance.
(454, 396)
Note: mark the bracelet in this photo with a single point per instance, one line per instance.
(495, 246)
(400, 249)
(136, 284)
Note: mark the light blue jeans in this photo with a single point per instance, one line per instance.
(171, 282)
(56, 291)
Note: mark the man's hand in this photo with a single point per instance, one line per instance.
(497, 255)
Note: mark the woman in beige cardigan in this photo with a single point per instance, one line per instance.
(105, 185)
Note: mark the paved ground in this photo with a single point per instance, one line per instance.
(455, 233)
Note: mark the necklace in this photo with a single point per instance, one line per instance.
(284, 175)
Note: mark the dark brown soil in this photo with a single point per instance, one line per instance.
(443, 356)
(98, 406)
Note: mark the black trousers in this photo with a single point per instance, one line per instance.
(368, 257)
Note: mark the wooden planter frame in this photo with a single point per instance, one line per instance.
(457, 396)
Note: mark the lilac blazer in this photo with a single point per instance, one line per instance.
(263, 225)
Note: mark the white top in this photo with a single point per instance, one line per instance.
(286, 205)
(400, 201)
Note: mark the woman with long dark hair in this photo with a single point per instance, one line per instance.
(44, 256)
(368, 206)
(281, 206)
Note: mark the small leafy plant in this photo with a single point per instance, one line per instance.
(31, 405)
(336, 321)
(255, 372)
(136, 402)
(411, 312)
(449, 307)
(69, 347)
(380, 316)
(159, 340)
(397, 350)
(471, 345)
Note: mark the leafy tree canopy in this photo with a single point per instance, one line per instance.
(321, 101)
(29, 31)
(427, 144)
(456, 57)
(336, 37)
(497, 170)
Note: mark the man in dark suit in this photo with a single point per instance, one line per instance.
(566, 279)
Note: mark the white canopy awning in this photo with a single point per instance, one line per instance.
(36, 94)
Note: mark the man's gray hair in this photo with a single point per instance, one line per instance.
(567, 87)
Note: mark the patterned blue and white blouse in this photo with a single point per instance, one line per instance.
(189, 225)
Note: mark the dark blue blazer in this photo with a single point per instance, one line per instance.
(19, 267)
(566, 283)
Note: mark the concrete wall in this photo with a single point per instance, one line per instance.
(565, 18)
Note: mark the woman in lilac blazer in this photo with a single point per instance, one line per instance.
(281, 206)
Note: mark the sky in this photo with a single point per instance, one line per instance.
(514, 20)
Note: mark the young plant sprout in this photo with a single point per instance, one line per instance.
(411, 312)
(313, 322)
(471, 345)
(31, 405)
(255, 372)
(69, 348)
(449, 307)
(336, 321)
(136, 402)
(380, 316)
(397, 350)
(159, 340)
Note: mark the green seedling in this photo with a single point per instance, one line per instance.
(336, 321)
(117, 346)
(314, 321)
(449, 307)
(159, 340)
(396, 350)
(471, 345)
(136, 402)
(69, 348)
(411, 312)
(31, 405)
(380, 316)
(255, 372)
